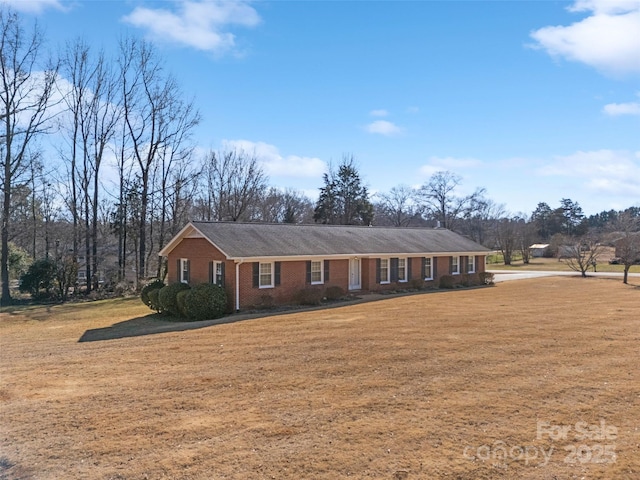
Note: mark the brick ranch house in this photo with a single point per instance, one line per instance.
(258, 262)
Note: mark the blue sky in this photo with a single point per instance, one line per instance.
(533, 100)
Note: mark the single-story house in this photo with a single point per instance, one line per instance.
(538, 250)
(255, 262)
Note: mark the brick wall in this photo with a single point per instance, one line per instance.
(293, 274)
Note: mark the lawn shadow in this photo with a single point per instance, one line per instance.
(147, 325)
(153, 323)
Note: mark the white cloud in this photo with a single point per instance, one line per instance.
(33, 6)
(378, 113)
(383, 127)
(608, 39)
(277, 165)
(610, 172)
(457, 165)
(614, 109)
(197, 24)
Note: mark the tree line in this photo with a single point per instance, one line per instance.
(128, 113)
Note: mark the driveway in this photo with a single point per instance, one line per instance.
(504, 276)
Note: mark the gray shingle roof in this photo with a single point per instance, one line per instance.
(245, 240)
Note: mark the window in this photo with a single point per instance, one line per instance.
(455, 265)
(184, 270)
(428, 268)
(402, 270)
(266, 275)
(384, 270)
(471, 264)
(216, 273)
(316, 272)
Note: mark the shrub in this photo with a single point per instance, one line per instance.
(156, 284)
(309, 296)
(39, 279)
(154, 302)
(447, 281)
(205, 301)
(486, 278)
(266, 302)
(334, 293)
(168, 297)
(416, 284)
(181, 301)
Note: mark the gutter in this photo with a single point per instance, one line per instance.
(238, 263)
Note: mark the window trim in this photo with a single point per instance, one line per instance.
(184, 267)
(430, 277)
(406, 270)
(387, 280)
(217, 264)
(471, 262)
(272, 271)
(321, 271)
(455, 262)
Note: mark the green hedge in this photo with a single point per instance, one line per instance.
(168, 297)
(155, 284)
(205, 301)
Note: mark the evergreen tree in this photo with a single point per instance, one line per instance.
(344, 200)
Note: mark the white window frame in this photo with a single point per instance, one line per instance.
(406, 269)
(430, 266)
(217, 273)
(184, 267)
(271, 273)
(455, 263)
(387, 267)
(320, 270)
(471, 264)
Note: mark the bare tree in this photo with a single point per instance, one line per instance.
(627, 241)
(525, 237)
(507, 237)
(440, 202)
(580, 253)
(235, 182)
(155, 117)
(397, 207)
(25, 100)
(93, 114)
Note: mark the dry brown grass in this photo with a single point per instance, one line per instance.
(400, 388)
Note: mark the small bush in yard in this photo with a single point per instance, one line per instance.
(334, 293)
(205, 301)
(309, 296)
(486, 278)
(168, 297)
(156, 284)
(154, 302)
(416, 284)
(447, 281)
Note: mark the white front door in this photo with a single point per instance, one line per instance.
(354, 274)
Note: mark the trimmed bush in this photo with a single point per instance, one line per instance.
(447, 281)
(181, 300)
(154, 302)
(486, 278)
(309, 296)
(168, 297)
(155, 284)
(334, 293)
(416, 284)
(205, 301)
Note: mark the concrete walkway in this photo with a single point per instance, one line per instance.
(504, 276)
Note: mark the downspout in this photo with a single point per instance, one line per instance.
(238, 263)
